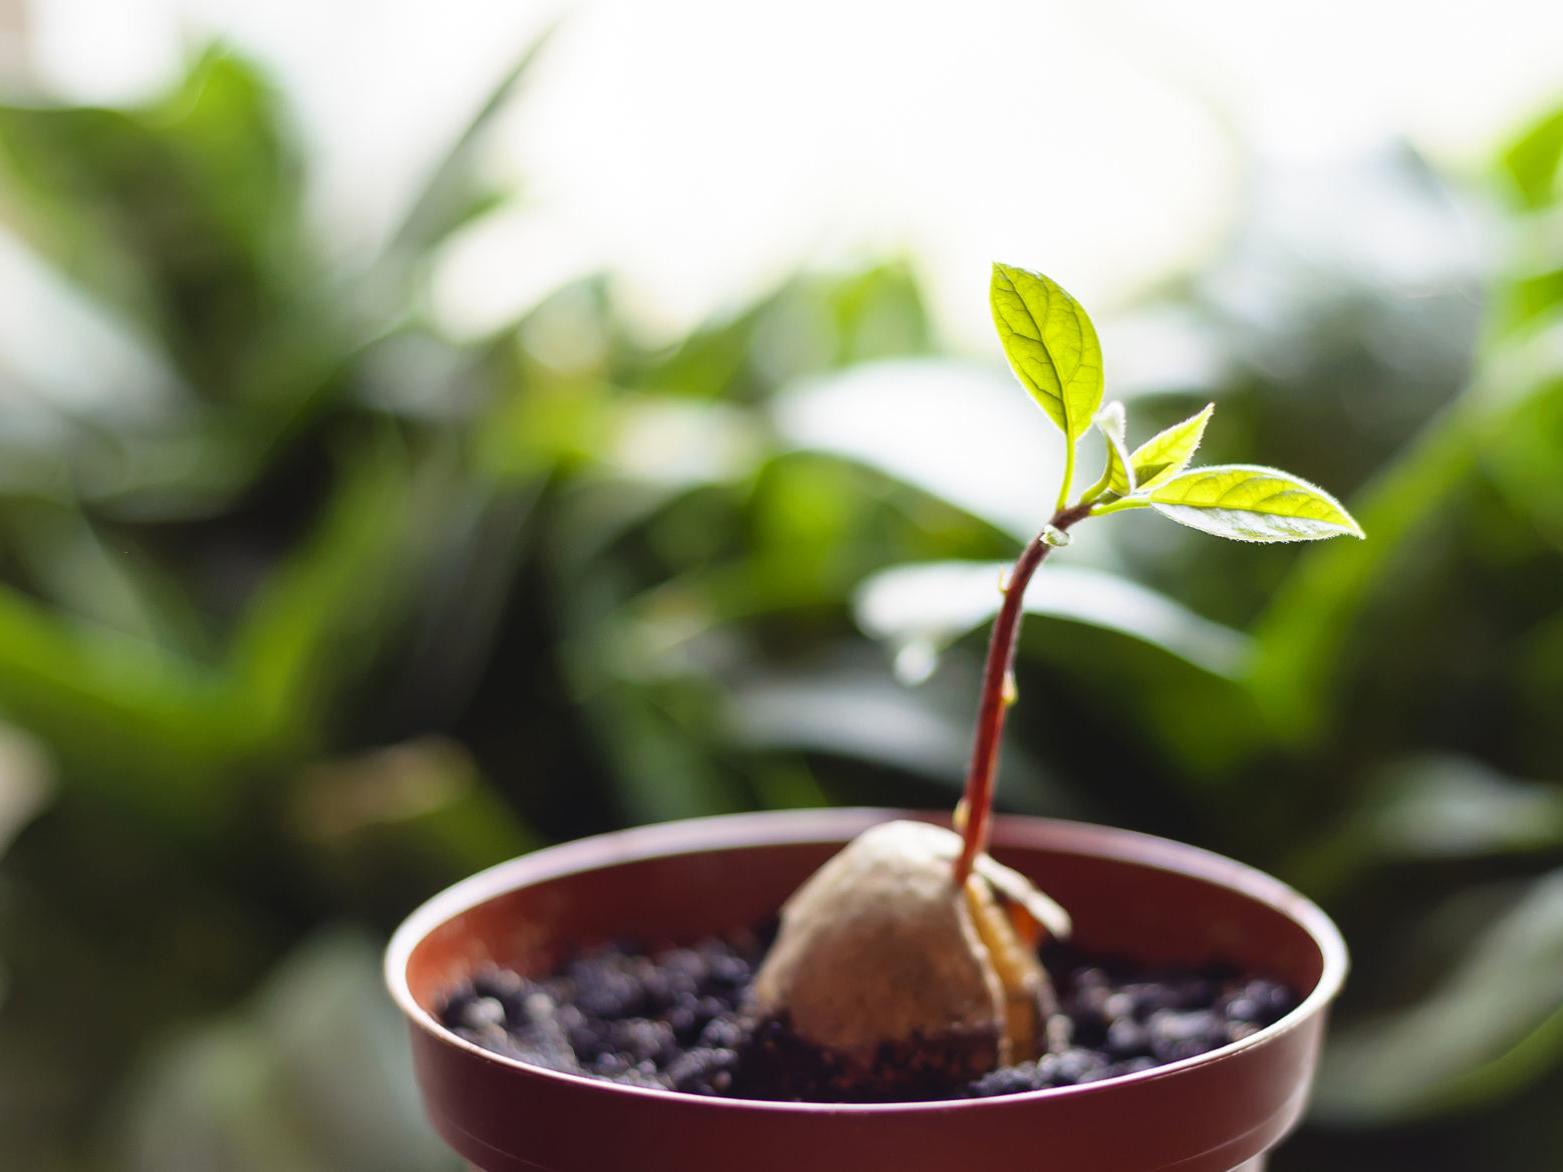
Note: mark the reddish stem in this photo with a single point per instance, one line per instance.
(978, 799)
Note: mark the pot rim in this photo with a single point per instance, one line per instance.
(788, 827)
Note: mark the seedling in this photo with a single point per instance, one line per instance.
(912, 949)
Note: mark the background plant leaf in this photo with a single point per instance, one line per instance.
(1494, 1023)
(933, 604)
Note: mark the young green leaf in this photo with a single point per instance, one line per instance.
(1051, 346)
(1167, 453)
(1245, 502)
(1113, 423)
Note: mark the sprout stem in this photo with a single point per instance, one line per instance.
(978, 798)
(1069, 474)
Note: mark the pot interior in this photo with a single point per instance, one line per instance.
(1131, 896)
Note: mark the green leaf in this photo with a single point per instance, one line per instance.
(843, 711)
(1167, 453)
(1051, 346)
(1306, 638)
(319, 616)
(185, 214)
(1532, 162)
(944, 410)
(1245, 502)
(453, 193)
(246, 1091)
(931, 604)
(1493, 1024)
(1113, 423)
(1456, 807)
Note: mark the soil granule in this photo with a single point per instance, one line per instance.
(675, 1019)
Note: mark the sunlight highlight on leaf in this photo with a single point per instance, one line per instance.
(941, 411)
(1168, 452)
(934, 604)
(1113, 423)
(1246, 502)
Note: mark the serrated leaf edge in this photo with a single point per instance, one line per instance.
(1199, 420)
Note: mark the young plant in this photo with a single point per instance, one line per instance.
(910, 957)
(1053, 350)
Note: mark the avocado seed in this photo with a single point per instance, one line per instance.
(891, 971)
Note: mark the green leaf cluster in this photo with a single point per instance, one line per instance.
(249, 622)
(1053, 349)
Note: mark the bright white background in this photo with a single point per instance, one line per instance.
(701, 148)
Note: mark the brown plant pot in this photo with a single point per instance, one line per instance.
(1129, 894)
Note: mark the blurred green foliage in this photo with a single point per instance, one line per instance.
(308, 610)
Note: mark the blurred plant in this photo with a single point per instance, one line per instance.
(1053, 349)
(309, 609)
(206, 578)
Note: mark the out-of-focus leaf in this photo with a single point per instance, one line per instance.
(658, 757)
(312, 1077)
(313, 622)
(860, 714)
(452, 194)
(1521, 461)
(960, 433)
(1535, 294)
(1428, 810)
(651, 729)
(120, 714)
(65, 353)
(1051, 346)
(1533, 267)
(477, 555)
(1308, 626)
(878, 314)
(1494, 1024)
(1163, 349)
(678, 443)
(26, 782)
(1531, 162)
(931, 605)
(1245, 502)
(710, 362)
(184, 214)
(1168, 452)
(389, 826)
(98, 906)
(68, 560)
(1445, 807)
(184, 219)
(811, 325)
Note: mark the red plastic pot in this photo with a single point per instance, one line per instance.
(1130, 894)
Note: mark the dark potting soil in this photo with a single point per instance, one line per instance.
(675, 1019)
